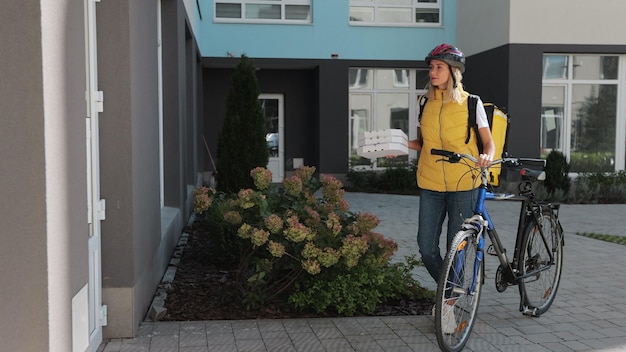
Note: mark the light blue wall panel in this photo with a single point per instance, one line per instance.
(330, 33)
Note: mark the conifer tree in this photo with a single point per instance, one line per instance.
(241, 145)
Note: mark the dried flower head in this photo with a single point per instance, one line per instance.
(310, 251)
(262, 177)
(246, 198)
(333, 223)
(314, 218)
(276, 249)
(365, 222)
(273, 223)
(233, 217)
(202, 199)
(305, 173)
(259, 237)
(311, 266)
(293, 185)
(332, 188)
(329, 257)
(352, 249)
(296, 232)
(244, 231)
(388, 246)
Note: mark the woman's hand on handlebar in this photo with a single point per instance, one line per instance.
(484, 160)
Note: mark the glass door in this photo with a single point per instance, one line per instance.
(272, 105)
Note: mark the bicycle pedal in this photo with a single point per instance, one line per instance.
(531, 312)
(491, 251)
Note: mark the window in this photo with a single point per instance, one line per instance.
(579, 113)
(382, 98)
(395, 12)
(259, 11)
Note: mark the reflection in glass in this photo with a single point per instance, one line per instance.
(592, 142)
(552, 113)
(359, 78)
(555, 66)
(361, 14)
(298, 12)
(227, 10)
(360, 113)
(392, 111)
(551, 129)
(595, 67)
(427, 15)
(394, 15)
(422, 78)
(400, 12)
(268, 12)
(270, 111)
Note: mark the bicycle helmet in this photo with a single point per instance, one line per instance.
(449, 54)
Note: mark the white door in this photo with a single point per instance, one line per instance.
(272, 105)
(97, 312)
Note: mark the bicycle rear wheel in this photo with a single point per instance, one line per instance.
(458, 292)
(540, 263)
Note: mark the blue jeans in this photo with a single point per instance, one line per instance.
(434, 206)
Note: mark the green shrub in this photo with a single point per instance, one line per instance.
(287, 242)
(557, 175)
(241, 144)
(601, 187)
(360, 289)
(397, 179)
(592, 162)
(363, 180)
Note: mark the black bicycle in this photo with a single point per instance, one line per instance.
(535, 267)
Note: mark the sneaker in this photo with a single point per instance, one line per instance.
(448, 322)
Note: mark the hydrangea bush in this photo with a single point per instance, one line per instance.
(298, 241)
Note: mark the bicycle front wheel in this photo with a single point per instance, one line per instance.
(540, 263)
(458, 292)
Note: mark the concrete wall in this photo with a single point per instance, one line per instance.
(487, 24)
(127, 67)
(482, 25)
(139, 234)
(23, 215)
(567, 22)
(43, 173)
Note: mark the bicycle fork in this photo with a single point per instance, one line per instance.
(458, 276)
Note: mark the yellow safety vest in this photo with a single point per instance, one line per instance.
(444, 126)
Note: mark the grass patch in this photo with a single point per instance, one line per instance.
(608, 238)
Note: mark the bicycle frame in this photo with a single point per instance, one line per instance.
(538, 247)
(483, 223)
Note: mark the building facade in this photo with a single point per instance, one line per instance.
(100, 148)
(342, 68)
(106, 107)
(559, 68)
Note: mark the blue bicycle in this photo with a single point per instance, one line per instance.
(535, 267)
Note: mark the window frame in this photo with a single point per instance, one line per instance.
(283, 12)
(378, 5)
(568, 81)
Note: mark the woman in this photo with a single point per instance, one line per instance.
(445, 188)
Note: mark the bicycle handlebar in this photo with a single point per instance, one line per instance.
(453, 157)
